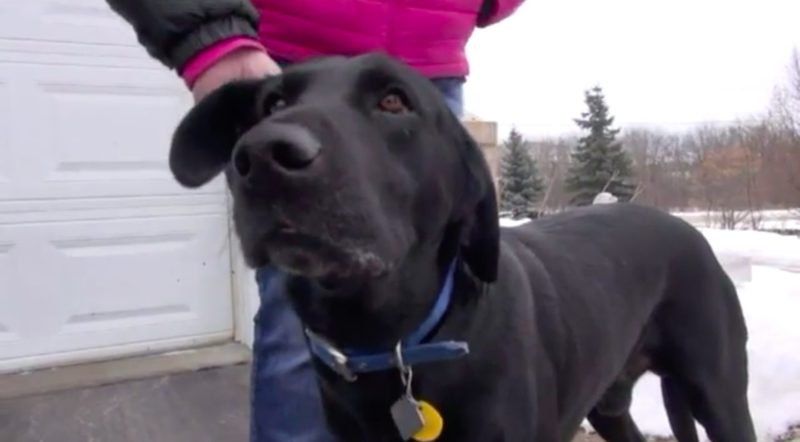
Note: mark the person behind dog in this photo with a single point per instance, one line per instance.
(212, 42)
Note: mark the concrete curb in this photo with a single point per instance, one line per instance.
(109, 372)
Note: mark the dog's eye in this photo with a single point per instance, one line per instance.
(274, 104)
(393, 102)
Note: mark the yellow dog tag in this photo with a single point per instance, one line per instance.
(432, 423)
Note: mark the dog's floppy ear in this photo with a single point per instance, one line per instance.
(476, 208)
(204, 140)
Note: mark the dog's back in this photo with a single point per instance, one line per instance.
(636, 290)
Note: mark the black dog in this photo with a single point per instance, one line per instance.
(353, 177)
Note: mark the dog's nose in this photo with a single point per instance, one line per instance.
(278, 146)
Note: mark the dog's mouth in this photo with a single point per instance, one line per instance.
(314, 256)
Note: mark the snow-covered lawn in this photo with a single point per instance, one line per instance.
(771, 303)
(770, 219)
(763, 248)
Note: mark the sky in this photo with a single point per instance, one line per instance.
(669, 64)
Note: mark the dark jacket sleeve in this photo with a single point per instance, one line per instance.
(495, 11)
(172, 31)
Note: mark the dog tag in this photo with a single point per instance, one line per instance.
(407, 417)
(432, 423)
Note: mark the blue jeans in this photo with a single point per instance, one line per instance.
(285, 404)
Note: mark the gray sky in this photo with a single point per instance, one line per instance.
(670, 63)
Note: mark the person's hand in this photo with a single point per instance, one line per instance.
(240, 64)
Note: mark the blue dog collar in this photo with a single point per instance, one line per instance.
(349, 362)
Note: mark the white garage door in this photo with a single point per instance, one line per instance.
(101, 253)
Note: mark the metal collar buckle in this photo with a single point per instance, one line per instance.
(339, 361)
(340, 365)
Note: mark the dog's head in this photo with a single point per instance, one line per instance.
(340, 167)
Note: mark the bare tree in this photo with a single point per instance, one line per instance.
(794, 87)
(553, 157)
(784, 121)
(657, 164)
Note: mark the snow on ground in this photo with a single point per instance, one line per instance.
(770, 219)
(763, 248)
(771, 304)
(508, 222)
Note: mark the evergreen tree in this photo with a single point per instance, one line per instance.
(598, 161)
(520, 183)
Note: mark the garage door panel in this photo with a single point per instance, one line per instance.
(28, 189)
(5, 132)
(53, 210)
(102, 125)
(66, 21)
(27, 52)
(93, 123)
(143, 267)
(81, 13)
(98, 279)
(134, 316)
(6, 271)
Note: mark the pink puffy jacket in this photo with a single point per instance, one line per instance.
(429, 35)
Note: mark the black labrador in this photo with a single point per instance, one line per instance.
(353, 177)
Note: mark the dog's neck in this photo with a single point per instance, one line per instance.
(381, 312)
(378, 314)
